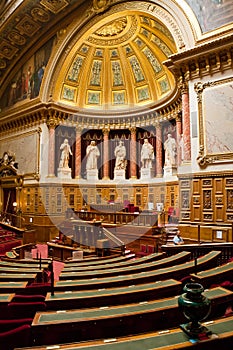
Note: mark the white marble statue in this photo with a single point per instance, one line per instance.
(92, 154)
(147, 154)
(120, 154)
(170, 151)
(65, 154)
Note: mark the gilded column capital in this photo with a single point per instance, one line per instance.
(79, 129)
(158, 125)
(52, 122)
(178, 117)
(183, 86)
(106, 131)
(133, 129)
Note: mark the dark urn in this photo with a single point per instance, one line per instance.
(195, 307)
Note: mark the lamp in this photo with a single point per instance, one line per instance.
(15, 206)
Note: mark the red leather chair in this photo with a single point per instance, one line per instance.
(17, 337)
(7, 325)
(150, 249)
(37, 288)
(28, 298)
(24, 309)
(143, 250)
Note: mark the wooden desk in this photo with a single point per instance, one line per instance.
(20, 264)
(56, 327)
(29, 277)
(132, 268)
(112, 296)
(10, 262)
(6, 298)
(162, 340)
(63, 252)
(119, 263)
(99, 260)
(13, 287)
(20, 250)
(177, 272)
(14, 269)
(214, 276)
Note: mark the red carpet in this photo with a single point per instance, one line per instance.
(42, 250)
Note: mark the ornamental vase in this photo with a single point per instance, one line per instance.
(195, 307)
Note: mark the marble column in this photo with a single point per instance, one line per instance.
(78, 153)
(51, 123)
(179, 139)
(186, 122)
(106, 154)
(159, 165)
(133, 153)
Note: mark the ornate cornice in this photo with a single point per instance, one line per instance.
(202, 175)
(205, 59)
(30, 115)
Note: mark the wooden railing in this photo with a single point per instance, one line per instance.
(202, 249)
(150, 219)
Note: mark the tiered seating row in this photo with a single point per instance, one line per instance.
(132, 268)
(162, 340)
(8, 240)
(114, 263)
(112, 309)
(104, 322)
(177, 272)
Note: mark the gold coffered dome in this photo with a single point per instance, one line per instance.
(118, 65)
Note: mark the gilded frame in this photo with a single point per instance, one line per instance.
(214, 100)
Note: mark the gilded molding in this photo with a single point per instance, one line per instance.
(99, 6)
(54, 6)
(202, 60)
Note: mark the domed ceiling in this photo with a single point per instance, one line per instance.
(118, 65)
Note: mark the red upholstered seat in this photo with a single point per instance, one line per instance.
(7, 325)
(143, 250)
(26, 309)
(37, 288)
(150, 249)
(28, 298)
(17, 337)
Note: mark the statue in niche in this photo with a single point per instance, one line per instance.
(65, 154)
(170, 151)
(147, 154)
(120, 154)
(92, 154)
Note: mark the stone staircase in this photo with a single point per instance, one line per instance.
(170, 233)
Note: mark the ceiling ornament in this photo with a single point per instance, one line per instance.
(54, 6)
(7, 50)
(113, 28)
(16, 38)
(40, 14)
(27, 26)
(117, 65)
(2, 63)
(100, 5)
(132, 25)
